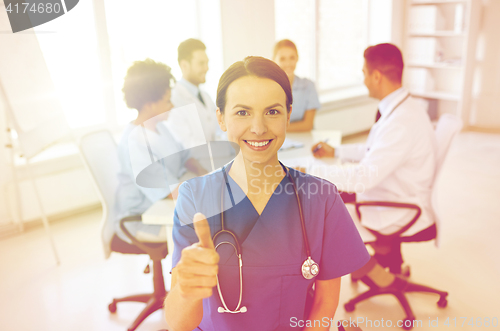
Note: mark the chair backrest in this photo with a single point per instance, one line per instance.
(447, 128)
(100, 155)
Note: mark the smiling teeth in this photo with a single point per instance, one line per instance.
(258, 144)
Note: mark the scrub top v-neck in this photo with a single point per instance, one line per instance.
(274, 290)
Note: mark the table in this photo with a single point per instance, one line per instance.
(162, 213)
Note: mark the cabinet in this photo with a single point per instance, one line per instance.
(439, 51)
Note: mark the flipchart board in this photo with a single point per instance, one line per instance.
(32, 103)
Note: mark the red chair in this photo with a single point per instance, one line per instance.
(446, 129)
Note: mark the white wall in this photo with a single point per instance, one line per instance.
(61, 193)
(349, 119)
(485, 110)
(5, 169)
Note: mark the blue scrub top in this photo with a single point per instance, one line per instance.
(273, 248)
(304, 98)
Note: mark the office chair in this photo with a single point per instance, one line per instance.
(447, 128)
(99, 153)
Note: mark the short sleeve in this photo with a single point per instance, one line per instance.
(343, 248)
(157, 173)
(312, 97)
(183, 232)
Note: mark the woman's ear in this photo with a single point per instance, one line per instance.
(220, 120)
(288, 117)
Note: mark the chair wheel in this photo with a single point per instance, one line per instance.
(442, 303)
(406, 272)
(407, 324)
(349, 307)
(112, 307)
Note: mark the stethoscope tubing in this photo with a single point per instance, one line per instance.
(308, 264)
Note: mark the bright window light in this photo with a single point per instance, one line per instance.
(136, 30)
(154, 29)
(69, 46)
(331, 36)
(342, 39)
(295, 20)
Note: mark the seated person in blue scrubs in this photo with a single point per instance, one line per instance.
(147, 89)
(305, 98)
(283, 230)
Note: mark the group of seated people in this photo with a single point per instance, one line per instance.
(160, 101)
(258, 101)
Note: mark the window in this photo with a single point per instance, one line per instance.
(154, 29)
(136, 31)
(69, 46)
(342, 38)
(295, 20)
(331, 36)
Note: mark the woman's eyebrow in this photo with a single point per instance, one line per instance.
(242, 106)
(274, 106)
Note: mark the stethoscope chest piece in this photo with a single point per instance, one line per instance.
(310, 269)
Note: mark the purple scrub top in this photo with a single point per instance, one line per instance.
(273, 249)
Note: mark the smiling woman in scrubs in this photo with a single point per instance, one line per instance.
(255, 198)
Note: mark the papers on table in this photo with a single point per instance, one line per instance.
(307, 162)
(334, 137)
(161, 213)
(289, 144)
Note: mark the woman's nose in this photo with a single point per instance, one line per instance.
(259, 126)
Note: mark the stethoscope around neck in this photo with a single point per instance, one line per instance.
(309, 268)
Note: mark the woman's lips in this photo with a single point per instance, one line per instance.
(258, 145)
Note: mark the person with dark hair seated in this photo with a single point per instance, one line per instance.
(145, 140)
(396, 164)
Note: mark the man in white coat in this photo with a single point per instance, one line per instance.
(398, 161)
(196, 123)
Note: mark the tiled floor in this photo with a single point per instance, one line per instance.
(36, 294)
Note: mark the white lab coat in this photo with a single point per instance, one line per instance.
(184, 124)
(396, 164)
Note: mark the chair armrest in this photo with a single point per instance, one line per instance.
(134, 240)
(391, 205)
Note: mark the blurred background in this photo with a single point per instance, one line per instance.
(78, 61)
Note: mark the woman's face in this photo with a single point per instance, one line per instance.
(163, 106)
(287, 58)
(255, 117)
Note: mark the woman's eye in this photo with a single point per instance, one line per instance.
(241, 112)
(274, 112)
